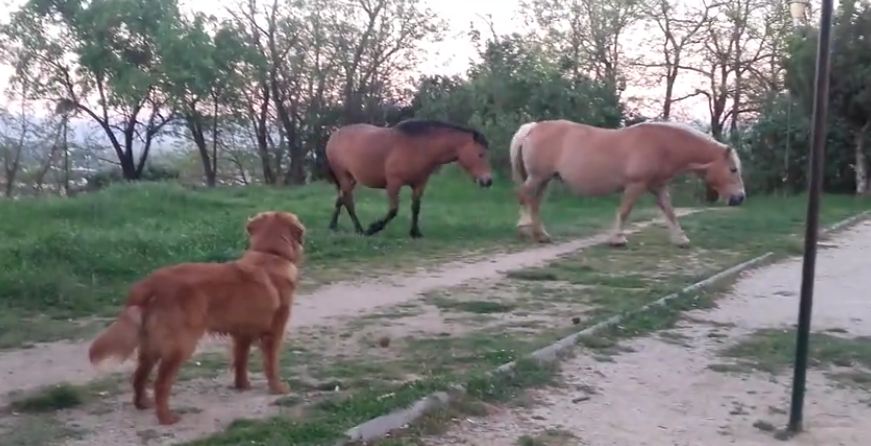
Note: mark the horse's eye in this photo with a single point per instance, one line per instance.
(733, 170)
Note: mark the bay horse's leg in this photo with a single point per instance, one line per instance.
(346, 196)
(676, 233)
(530, 195)
(334, 222)
(393, 198)
(416, 195)
(630, 195)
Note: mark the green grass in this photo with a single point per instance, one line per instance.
(54, 398)
(772, 351)
(472, 306)
(71, 258)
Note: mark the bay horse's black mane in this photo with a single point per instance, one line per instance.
(417, 127)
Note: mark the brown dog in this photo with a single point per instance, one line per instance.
(171, 309)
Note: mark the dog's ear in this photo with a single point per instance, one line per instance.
(297, 231)
(256, 222)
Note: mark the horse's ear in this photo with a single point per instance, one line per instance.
(728, 152)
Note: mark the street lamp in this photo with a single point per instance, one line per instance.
(818, 141)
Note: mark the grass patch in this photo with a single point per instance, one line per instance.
(501, 387)
(54, 398)
(32, 430)
(472, 306)
(325, 421)
(550, 437)
(771, 351)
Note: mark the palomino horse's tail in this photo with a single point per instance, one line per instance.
(518, 169)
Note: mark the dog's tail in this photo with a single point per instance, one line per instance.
(518, 168)
(119, 340)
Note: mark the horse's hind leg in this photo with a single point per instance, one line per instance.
(393, 198)
(676, 233)
(416, 195)
(346, 198)
(530, 195)
(334, 221)
(630, 195)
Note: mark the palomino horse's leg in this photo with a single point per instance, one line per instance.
(630, 196)
(530, 194)
(416, 195)
(393, 198)
(676, 234)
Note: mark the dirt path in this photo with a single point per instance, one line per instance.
(663, 392)
(328, 309)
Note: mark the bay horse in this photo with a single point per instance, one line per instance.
(638, 159)
(405, 154)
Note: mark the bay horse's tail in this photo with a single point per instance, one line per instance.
(331, 176)
(518, 168)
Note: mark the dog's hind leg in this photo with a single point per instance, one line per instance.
(241, 347)
(270, 344)
(147, 361)
(170, 363)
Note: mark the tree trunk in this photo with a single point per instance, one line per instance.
(196, 128)
(669, 93)
(66, 147)
(862, 186)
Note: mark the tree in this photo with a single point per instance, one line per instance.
(850, 90)
(201, 75)
(681, 31)
(101, 59)
(587, 34)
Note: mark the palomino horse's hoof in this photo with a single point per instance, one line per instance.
(543, 238)
(618, 241)
(683, 242)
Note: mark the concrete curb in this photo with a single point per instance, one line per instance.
(847, 222)
(381, 426)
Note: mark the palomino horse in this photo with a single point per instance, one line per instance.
(403, 155)
(640, 158)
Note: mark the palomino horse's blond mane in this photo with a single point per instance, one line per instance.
(690, 129)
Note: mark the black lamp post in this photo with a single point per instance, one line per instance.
(818, 137)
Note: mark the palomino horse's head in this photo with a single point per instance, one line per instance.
(472, 156)
(723, 178)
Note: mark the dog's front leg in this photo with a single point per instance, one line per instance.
(271, 345)
(241, 347)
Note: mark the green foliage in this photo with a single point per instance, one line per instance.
(779, 141)
(515, 83)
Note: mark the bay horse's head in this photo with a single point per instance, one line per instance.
(723, 178)
(472, 156)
